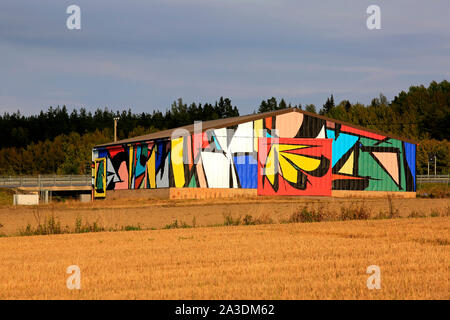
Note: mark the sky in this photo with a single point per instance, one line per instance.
(143, 55)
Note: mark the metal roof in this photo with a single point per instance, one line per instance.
(227, 122)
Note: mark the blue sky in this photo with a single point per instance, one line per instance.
(145, 54)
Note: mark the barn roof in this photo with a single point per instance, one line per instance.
(227, 122)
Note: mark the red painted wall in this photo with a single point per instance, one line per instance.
(294, 166)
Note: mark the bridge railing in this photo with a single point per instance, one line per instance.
(86, 180)
(45, 180)
(445, 178)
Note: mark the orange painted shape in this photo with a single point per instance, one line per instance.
(389, 162)
(288, 124)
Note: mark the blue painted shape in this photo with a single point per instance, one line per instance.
(102, 153)
(159, 154)
(410, 153)
(341, 145)
(140, 169)
(247, 171)
(217, 144)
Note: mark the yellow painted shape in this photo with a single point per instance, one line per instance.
(270, 170)
(287, 170)
(130, 162)
(257, 132)
(347, 168)
(176, 156)
(305, 163)
(151, 172)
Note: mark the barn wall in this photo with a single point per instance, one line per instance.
(228, 157)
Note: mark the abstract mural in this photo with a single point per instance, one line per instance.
(100, 178)
(294, 166)
(321, 156)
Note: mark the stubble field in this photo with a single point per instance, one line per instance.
(157, 214)
(326, 260)
(323, 260)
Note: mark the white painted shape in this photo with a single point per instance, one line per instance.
(235, 184)
(321, 134)
(110, 169)
(217, 169)
(243, 138)
(221, 136)
(162, 180)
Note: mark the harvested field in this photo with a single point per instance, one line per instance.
(326, 260)
(159, 213)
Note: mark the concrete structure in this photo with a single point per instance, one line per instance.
(26, 200)
(285, 152)
(85, 197)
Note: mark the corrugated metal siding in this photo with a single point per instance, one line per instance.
(294, 166)
(360, 160)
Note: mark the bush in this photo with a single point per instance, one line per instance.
(307, 215)
(416, 214)
(433, 190)
(132, 228)
(230, 221)
(355, 212)
(393, 212)
(177, 225)
(50, 226)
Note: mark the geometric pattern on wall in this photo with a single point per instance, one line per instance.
(294, 166)
(228, 158)
(100, 177)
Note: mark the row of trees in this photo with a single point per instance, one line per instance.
(66, 154)
(421, 113)
(58, 142)
(17, 130)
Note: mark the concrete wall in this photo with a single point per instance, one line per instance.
(213, 193)
(85, 197)
(217, 193)
(26, 199)
(180, 193)
(371, 194)
(138, 194)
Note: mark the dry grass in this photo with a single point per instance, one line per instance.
(326, 260)
(160, 213)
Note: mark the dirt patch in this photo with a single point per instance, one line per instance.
(159, 213)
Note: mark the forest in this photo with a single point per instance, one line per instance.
(56, 141)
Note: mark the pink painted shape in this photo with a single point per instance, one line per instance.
(389, 162)
(123, 175)
(288, 124)
(201, 174)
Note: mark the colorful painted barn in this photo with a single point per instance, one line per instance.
(285, 152)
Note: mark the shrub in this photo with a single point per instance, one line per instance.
(230, 221)
(177, 225)
(393, 212)
(434, 213)
(132, 228)
(248, 220)
(307, 215)
(416, 214)
(355, 212)
(264, 219)
(50, 226)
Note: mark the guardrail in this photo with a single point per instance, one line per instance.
(433, 179)
(86, 180)
(45, 181)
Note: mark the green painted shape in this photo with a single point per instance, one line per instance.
(99, 182)
(369, 167)
(192, 183)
